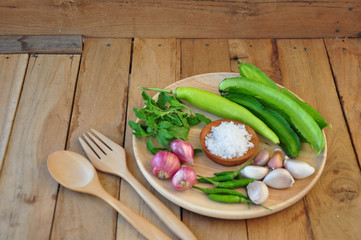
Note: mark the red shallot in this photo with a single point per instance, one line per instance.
(184, 179)
(165, 164)
(183, 150)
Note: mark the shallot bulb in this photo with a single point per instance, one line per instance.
(184, 179)
(262, 158)
(165, 164)
(183, 150)
(276, 160)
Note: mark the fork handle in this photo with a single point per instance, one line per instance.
(148, 230)
(159, 208)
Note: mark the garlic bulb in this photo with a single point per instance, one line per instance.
(257, 192)
(255, 172)
(299, 169)
(276, 160)
(279, 178)
(262, 158)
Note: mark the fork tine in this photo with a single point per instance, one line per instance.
(88, 150)
(114, 146)
(101, 145)
(94, 147)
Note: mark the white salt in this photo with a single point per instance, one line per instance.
(228, 140)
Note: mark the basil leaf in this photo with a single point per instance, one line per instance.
(150, 147)
(193, 121)
(183, 119)
(174, 119)
(135, 126)
(203, 118)
(165, 133)
(162, 100)
(179, 132)
(165, 124)
(197, 150)
(162, 140)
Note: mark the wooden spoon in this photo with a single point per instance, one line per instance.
(75, 172)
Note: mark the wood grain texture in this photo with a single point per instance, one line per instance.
(345, 58)
(332, 204)
(28, 193)
(12, 72)
(100, 103)
(182, 19)
(263, 54)
(201, 56)
(41, 44)
(153, 64)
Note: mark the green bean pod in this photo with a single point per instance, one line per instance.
(289, 139)
(222, 107)
(308, 108)
(304, 123)
(251, 72)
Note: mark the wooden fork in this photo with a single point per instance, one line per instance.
(109, 157)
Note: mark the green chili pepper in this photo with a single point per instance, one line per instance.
(289, 139)
(222, 173)
(225, 176)
(220, 106)
(230, 184)
(220, 191)
(304, 123)
(251, 72)
(228, 198)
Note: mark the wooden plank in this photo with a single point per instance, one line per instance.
(333, 203)
(263, 54)
(12, 72)
(183, 19)
(100, 103)
(202, 56)
(345, 61)
(41, 44)
(153, 64)
(28, 193)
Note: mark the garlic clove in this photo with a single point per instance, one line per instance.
(255, 172)
(299, 169)
(276, 160)
(262, 158)
(257, 192)
(279, 178)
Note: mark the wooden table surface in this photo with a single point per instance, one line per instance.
(48, 100)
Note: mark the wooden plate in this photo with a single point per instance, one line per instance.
(198, 202)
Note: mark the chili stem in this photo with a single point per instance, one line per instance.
(156, 89)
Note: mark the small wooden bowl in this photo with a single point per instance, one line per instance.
(232, 161)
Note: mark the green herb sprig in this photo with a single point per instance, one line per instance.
(165, 119)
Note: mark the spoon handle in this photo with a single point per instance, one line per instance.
(147, 229)
(166, 215)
